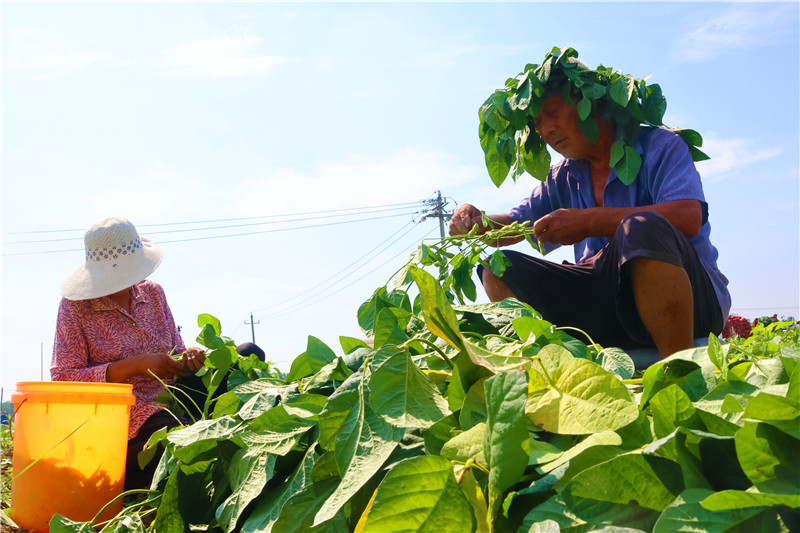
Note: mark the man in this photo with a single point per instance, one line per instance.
(646, 271)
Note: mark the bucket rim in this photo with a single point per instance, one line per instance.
(73, 392)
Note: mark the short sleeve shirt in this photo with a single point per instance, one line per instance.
(667, 173)
(91, 334)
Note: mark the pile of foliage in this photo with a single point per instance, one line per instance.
(461, 417)
(507, 131)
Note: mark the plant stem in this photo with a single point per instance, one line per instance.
(432, 345)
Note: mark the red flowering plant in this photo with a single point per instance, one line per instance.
(736, 325)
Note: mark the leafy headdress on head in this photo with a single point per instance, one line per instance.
(508, 135)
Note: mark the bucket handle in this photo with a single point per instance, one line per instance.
(16, 409)
(71, 433)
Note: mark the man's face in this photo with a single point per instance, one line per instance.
(557, 124)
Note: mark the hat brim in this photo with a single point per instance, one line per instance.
(97, 279)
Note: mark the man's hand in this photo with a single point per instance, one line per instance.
(464, 218)
(563, 226)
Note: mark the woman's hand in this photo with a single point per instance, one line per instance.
(193, 359)
(146, 365)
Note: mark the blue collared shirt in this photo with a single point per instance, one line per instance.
(667, 173)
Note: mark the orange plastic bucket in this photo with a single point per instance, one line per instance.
(70, 440)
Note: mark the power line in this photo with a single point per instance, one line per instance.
(337, 273)
(223, 227)
(230, 219)
(231, 234)
(283, 313)
(351, 273)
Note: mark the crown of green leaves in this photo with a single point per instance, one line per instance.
(510, 141)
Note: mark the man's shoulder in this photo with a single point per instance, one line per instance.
(650, 137)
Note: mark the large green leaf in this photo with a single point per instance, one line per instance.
(438, 313)
(536, 158)
(276, 431)
(316, 356)
(168, 517)
(420, 495)
(297, 514)
(766, 454)
(767, 406)
(473, 411)
(249, 472)
(268, 508)
(621, 89)
(579, 397)
(686, 514)
(472, 490)
(390, 326)
(403, 395)
(672, 408)
(603, 438)
(674, 447)
(436, 436)
(728, 500)
(688, 375)
(380, 299)
(497, 157)
(491, 360)
(555, 511)
(220, 428)
(506, 445)
(466, 445)
(362, 441)
(616, 361)
(654, 105)
(510, 307)
(627, 490)
(627, 168)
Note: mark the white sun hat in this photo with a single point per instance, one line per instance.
(116, 258)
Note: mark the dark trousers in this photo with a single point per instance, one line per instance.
(191, 386)
(596, 296)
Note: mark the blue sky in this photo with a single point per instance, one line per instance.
(185, 112)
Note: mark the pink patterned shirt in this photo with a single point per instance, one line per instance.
(91, 334)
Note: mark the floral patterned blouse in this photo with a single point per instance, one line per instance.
(91, 334)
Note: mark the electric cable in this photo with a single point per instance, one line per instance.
(303, 293)
(221, 227)
(341, 280)
(230, 234)
(405, 250)
(231, 219)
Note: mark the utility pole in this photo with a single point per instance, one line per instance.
(252, 327)
(437, 211)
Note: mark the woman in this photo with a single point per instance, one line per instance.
(115, 326)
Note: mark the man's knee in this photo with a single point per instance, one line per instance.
(641, 222)
(496, 290)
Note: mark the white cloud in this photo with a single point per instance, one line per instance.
(406, 175)
(222, 57)
(740, 27)
(48, 56)
(730, 155)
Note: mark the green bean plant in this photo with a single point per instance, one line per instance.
(455, 416)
